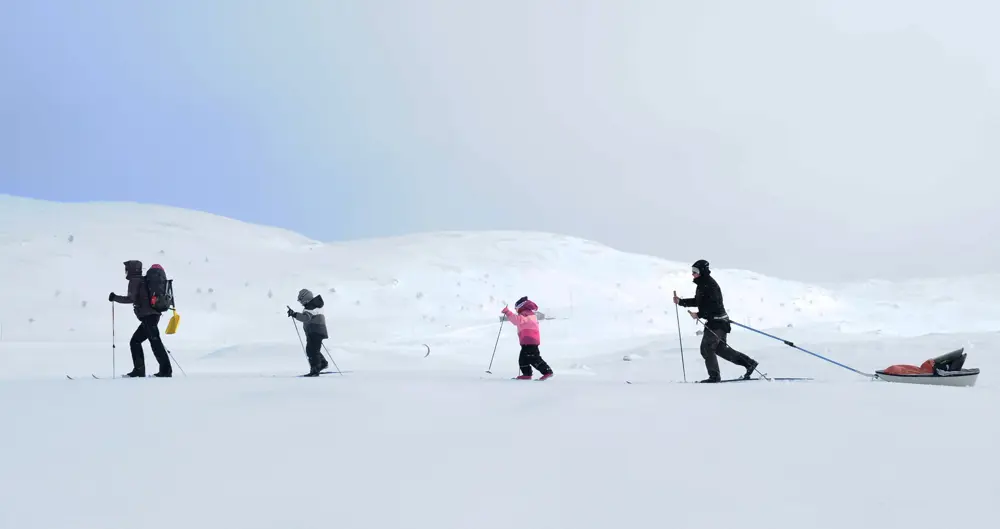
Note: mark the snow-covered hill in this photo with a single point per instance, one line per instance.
(232, 280)
(410, 440)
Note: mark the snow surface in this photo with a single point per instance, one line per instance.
(404, 440)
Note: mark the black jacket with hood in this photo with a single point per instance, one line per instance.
(138, 295)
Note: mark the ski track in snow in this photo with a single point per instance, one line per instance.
(410, 440)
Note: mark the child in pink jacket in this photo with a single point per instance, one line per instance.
(529, 337)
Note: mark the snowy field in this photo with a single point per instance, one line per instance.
(406, 439)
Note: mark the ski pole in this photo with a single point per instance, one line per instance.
(502, 320)
(113, 340)
(332, 360)
(790, 344)
(303, 344)
(297, 332)
(677, 312)
(175, 361)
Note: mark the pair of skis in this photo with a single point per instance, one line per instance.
(328, 372)
(151, 376)
(778, 379)
(112, 378)
(741, 379)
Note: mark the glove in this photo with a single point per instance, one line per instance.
(291, 312)
(111, 296)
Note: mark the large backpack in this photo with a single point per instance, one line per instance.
(161, 289)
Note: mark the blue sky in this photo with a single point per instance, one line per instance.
(208, 108)
(814, 140)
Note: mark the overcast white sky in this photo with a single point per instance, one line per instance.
(816, 140)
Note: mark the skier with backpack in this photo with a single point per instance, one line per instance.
(149, 295)
(314, 326)
(529, 337)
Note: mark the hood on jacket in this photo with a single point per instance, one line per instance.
(309, 301)
(133, 269)
(525, 305)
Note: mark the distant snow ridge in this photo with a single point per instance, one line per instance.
(232, 280)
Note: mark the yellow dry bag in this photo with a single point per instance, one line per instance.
(175, 320)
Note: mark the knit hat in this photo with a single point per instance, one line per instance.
(305, 296)
(525, 304)
(701, 267)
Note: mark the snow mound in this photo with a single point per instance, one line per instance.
(58, 262)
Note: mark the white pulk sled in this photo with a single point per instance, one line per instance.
(945, 370)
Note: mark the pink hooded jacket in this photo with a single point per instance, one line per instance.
(526, 323)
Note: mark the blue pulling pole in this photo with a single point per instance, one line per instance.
(790, 344)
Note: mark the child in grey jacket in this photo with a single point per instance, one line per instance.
(314, 326)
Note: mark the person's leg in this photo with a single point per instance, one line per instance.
(709, 343)
(538, 363)
(151, 324)
(320, 357)
(732, 355)
(135, 347)
(313, 345)
(524, 361)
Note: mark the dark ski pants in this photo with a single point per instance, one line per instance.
(314, 345)
(713, 344)
(148, 330)
(531, 357)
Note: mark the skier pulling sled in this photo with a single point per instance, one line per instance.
(708, 299)
(945, 370)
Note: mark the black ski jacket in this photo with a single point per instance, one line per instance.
(137, 295)
(708, 299)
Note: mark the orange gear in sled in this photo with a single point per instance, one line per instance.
(927, 368)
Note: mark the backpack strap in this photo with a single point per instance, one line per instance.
(170, 293)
